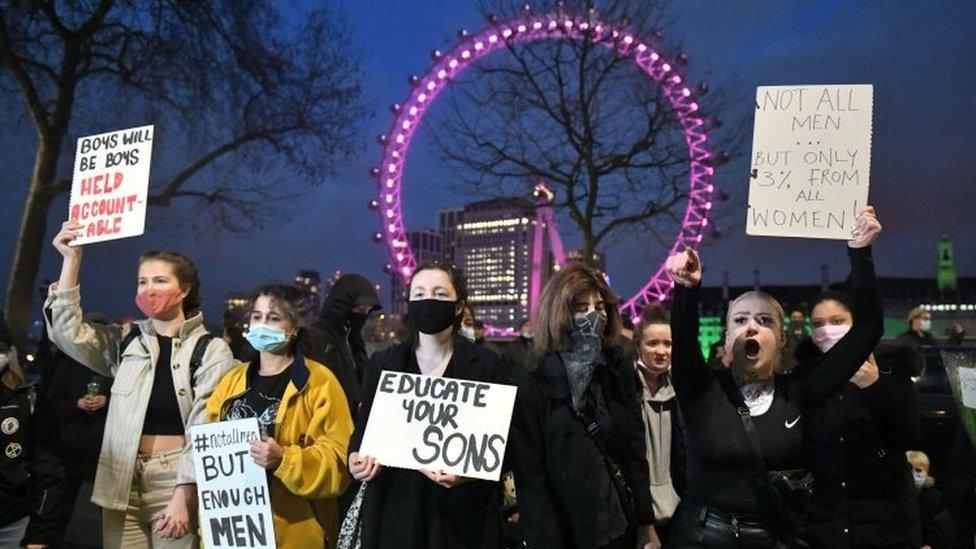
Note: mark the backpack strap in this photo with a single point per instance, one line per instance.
(127, 340)
(199, 349)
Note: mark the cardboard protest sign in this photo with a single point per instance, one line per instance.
(811, 160)
(232, 490)
(439, 423)
(110, 184)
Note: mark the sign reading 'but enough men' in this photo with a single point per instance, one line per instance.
(440, 424)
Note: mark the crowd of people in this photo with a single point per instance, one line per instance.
(624, 434)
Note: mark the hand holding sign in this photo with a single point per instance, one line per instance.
(70, 230)
(266, 453)
(811, 160)
(446, 480)
(174, 521)
(866, 228)
(363, 468)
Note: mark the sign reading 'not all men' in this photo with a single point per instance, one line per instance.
(439, 424)
(811, 160)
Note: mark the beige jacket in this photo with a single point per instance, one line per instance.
(97, 347)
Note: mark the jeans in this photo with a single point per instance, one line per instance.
(11, 534)
(153, 482)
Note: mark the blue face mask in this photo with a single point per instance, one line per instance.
(267, 339)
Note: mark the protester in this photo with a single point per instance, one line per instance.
(336, 338)
(856, 440)
(79, 399)
(937, 530)
(427, 509)
(164, 370)
(467, 329)
(31, 475)
(303, 416)
(919, 329)
(577, 440)
(517, 356)
(796, 333)
(664, 433)
(744, 422)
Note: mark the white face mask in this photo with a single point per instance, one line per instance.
(467, 332)
(825, 337)
(919, 479)
(926, 325)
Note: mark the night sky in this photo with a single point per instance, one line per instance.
(918, 55)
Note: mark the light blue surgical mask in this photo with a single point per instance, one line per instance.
(267, 339)
(919, 479)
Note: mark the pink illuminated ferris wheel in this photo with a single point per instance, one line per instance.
(471, 48)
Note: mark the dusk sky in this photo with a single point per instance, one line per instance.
(918, 56)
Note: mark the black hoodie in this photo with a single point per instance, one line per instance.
(336, 339)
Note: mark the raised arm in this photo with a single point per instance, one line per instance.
(688, 370)
(838, 364)
(95, 346)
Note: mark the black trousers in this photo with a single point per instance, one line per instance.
(697, 526)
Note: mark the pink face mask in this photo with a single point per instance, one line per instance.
(825, 337)
(160, 304)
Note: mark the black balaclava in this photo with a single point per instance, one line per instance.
(350, 291)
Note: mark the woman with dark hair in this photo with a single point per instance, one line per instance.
(745, 423)
(577, 444)
(427, 509)
(164, 370)
(303, 416)
(856, 440)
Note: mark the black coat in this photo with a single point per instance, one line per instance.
(856, 443)
(959, 488)
(404, 509)
(31, 475)
(81, 432)
(555, 461)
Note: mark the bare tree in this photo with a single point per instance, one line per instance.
(582, 118)
(238, 90)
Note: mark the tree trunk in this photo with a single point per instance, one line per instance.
(30, 241)
(586, 253)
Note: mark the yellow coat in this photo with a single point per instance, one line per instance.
(313, 426)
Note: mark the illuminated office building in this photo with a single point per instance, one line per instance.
(494, 241)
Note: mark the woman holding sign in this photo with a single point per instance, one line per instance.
(578, 451)
(303, 416)
(165, 368)
(746, 424)
(404, 508)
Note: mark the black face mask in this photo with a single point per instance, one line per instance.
(432, 316)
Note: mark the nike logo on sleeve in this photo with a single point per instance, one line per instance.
(791, 424)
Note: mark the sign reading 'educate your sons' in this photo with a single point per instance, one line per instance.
(811, 160)
(439, 424)
(110, 184)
